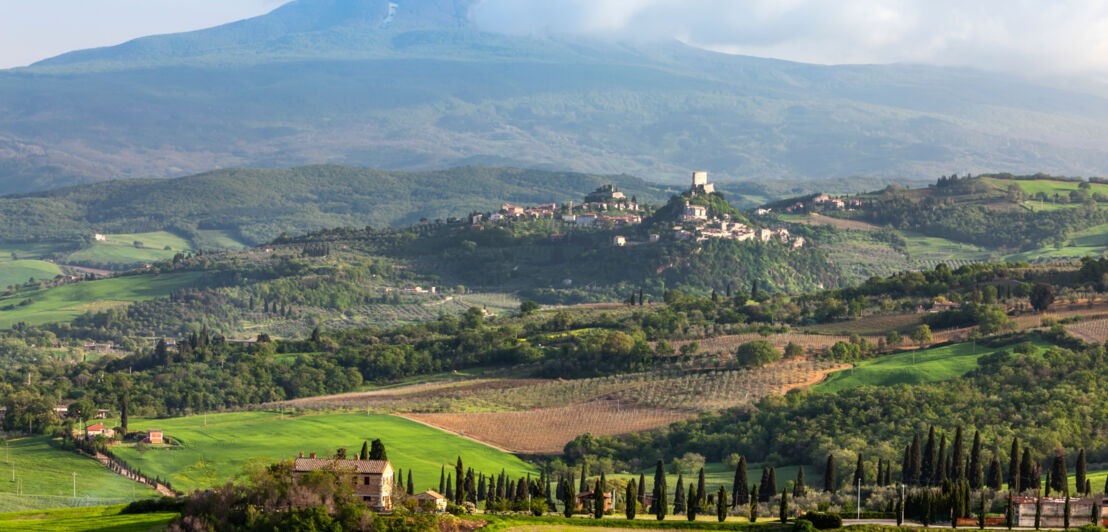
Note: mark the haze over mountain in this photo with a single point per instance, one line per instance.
(414, 84)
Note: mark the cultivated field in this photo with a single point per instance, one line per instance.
(839, 223)
(68, 301)
(869, 325)
(547, 430)
(209, 455)
(96, 518)
(910, 367)
(46, 475)
(1095, 330)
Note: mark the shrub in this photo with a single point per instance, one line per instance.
(824, 521)
(803, 525)
(454, 509)
(149, 506)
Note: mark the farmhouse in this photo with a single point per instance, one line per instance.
(587, 496)
(431, 497)
(154, 436)
(694, 213)
(93, 431)
(372, 479)
(1054, 511)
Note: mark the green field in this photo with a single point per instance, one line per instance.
(85, 520)
(68, 301)
(210, 455)
(1091, 241)
(19, 271)
(47, 471)
(928, 249)
(911, 367)
(1047, 186)
(120, 250)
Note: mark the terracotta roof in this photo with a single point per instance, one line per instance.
(429, 495)
(358, 466)
(96, 427)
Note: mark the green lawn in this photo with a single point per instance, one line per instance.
(214, 239)
(210, 455)
(19, 271)
(68, 301)
(912, 367)
(120, 249)
(85, 520)
(933, 249)
(47, 476)
(1091, 241)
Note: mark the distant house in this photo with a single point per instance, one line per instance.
(372, 479)
(587, 496)
(431, 497)
(93, 431)
(154, 437)
(586, 219)
(103, 413)
(619, 241)
(694, 212)
(61, 410)
(99, 237)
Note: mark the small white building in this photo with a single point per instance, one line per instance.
(619, 241)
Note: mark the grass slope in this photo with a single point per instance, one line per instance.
(210, 455)
(912, 367)
(85, 519)
(71, 300)
(47, 475)
(19, 271)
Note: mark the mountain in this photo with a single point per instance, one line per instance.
(415, 85)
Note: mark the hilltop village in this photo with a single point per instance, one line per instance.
(609, 208)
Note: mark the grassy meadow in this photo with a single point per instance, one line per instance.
(47, 477)
(68, 301)
(16, 272)
(209, 455)
(909, 367)
(94, 518)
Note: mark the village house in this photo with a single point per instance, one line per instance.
(694, 213)
(1053, 514)
(586, 219)
(496, 217)
(511, 210)
(587, 496)
(605, 194)
(93, 431)
(372, 479)
(154, 437)
(619, 241)
(431, 498)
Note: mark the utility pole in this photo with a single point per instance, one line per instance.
(859, 498)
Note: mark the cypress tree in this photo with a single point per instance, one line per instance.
(1009, 513)
(1038, 509)
(691, 507)
(888, 473)
(642, 490)
(906, 465)
(701, 489)
(584, 478)
(859, 473)
(1080, 472)
(927, 464)
(442, 479)
(1094, 516)
(799, 488)
(482, 488)
(783, 511)
(771, 486)
(1066, 514)
(1049, 483)
(449, 491)
(957, 457)
(459, 479)
(598, 500)
(1106, 485)
(679, 495)
(1014, 467)
(1088, 487)
(829, 475)
(1059, 473)
(914, 461)
(899, 508)
(364, 455)
(721, 505)
(981, 513)
(974, 473)
(411, 488)
(570, 503)
(996, 477)
(123, 416)
(762, 496)
(942, 472)
(754, 503)
(661, 505)
(1027, 468)
(739, 489)
(632, 498)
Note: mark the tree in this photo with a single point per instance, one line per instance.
(1038, 510)
(1080, 472)
(995, 477)
(364, 455)
(661, 505)
(975, 476)
(459, 490)
(899, 507)
(829, 475)
(632, 499)
(527, 307)
(123, 415)
(915, 461)
(692, 506)
(1009, 512)
(442, 473)
(757, 353)
(783, 511)
(981, 513)
(411, 487)
(1066, 514)
(859, 472)
(1014, 466)
(1059, 474)
(701, 489)
(569, 503)
(377, 451)
(921, 335)
(1027, 468)
(957, 460)
(1042, 296)
(799, 489)
(642, 489)
(754, 504)
(739, 488)
(721, 505)
(679, 501)
(927, 463)
(598, 500)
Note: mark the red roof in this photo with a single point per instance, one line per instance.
(96, 427)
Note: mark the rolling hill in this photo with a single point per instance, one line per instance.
(345, 82)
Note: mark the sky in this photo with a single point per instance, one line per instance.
(1046, 37)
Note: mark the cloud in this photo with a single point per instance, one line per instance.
(1043, 37)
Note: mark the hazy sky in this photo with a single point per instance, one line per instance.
(1043, 36)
